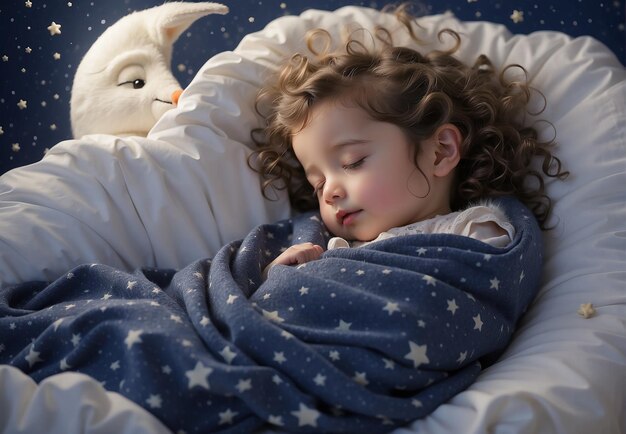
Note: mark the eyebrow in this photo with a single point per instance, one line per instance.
(350, 142)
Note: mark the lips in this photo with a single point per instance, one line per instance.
(347, 217)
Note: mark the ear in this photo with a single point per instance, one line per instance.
(447, 141)
(176, 17)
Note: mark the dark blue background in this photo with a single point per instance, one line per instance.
(45, 83)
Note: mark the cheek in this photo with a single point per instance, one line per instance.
(384, 191)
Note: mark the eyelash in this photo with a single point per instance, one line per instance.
(317, 189)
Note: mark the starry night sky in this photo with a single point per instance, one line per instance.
(31, 71)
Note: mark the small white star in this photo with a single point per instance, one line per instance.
(279, 357)
(360, 272)
(452, 306)
(275, 420)
(306, 416)
(495, 283)
(226, 417)
(198, 376)
(343, 326)
(517, 16)
(276, 379)
(272, 316)
(389, 364)
(63, 365)
(478, 323)
(166, 370)
(421, 251)
(106, 296)
(334, 355)
(33, 356)
(303, 290)
(133, 337)
(54, 29)
(361, 378)
(228, 354)
(28, 50)
(430, 280)
(22, 104)
(76, 339)
(176, 318)
(1, 131)
(320, 380)
(244, 385)
(131, 284)
(391, 307)
(28, 4)
(56, 56)
(417, 354)
(5, 58)
(386, 271)
(416, 403)
(70, 306)
(586, 310)
(462, 357)
(231, 298)
(154, 401)
(15, 147)
(115, 365)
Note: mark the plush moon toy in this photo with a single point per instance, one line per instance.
(124, 84)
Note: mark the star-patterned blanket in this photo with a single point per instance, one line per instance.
(362, 340)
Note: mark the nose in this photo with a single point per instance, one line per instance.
(176, 96)
(333, 191)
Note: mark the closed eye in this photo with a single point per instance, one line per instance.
(354, 165)
(318, 189)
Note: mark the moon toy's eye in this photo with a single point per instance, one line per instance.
(138, 84)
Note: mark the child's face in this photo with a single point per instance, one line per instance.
(363, 172)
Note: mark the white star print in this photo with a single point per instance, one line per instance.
(115, 365)
(176, 318)
(417, 354)
(462, 357)
(517, 16)
(386, 271)
(54, 29)
(166, 370)
(334, 355)
(275, 420)
(63, 366)
(187, 343)
(204, 321)
(28, 4)
(228, 354)
(391, 307)
(495, 283)
(131, 284)
(56, 56)
(276, 379)
(286, 334)
(421, 251)
(421, 323)
(33, 356)
(133, 337)
(70, 306)
(154, 401)
(430, 280)
(361, 378)
(226, 417)
(343, 326)
(106, 296)
(478, 323)
(320, 380)
(452, 306)
(303, 290)
(231, 298)
(75, 339)
(360, 272)
(389, 364)
(22, 104)
(198, 376)
(279, 357)
(244, 385)
(306, 416)
(272, 316)
(416, 403)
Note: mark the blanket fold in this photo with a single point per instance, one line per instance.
(362, 340)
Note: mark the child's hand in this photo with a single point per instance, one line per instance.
(296, 255)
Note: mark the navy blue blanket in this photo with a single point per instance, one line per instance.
(362, 340)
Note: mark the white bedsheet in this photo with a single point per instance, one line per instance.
(121, 200)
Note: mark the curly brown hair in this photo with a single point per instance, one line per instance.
(418, 93)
